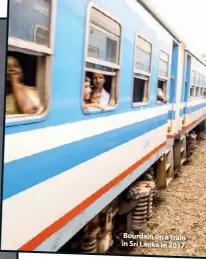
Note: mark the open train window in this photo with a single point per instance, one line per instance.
(102, 64)
(204, 92)
(29, 59)
(163, 71)
(197, 91)
(142, 71)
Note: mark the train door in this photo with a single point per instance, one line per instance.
(173, 85)
(3, 49)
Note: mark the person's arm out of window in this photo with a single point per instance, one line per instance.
(24, 103)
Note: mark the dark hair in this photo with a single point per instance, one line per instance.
(99, 74)
(87, 80)
(13, 68)
(96, 90)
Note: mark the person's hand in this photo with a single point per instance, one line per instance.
(15, 78)
(101, 108)
(86, 109)
(161, 99)
(112, 102)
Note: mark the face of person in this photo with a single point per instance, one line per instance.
(13, 68)
(98, 80)
(87, 91)
(95, 98)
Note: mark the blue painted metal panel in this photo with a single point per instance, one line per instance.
(187, 110)
(171, 115)
(174, 73)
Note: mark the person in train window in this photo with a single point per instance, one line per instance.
(98, 82)
(96, 98)
(20, 99)
(91, 98)
(160, 95)
(87, 89)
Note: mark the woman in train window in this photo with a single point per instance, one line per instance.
(91, 98)
(20, 99)
(99, 82)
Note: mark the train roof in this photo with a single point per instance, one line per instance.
(192, 54)
(151, 9)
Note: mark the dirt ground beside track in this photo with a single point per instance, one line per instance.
(181, 210)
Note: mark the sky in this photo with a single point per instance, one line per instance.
(188, 19)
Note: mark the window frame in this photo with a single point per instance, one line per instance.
(201, 90)
(204, 92)
(163, 78)
(100, 62)
(141, 73)
(204, 87)
(27, 47)
(197, 85)
(193, 84)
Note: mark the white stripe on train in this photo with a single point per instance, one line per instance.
(35, 141)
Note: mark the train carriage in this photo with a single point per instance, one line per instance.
(65, 165)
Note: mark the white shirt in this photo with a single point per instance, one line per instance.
(105, 98)
(160, 92)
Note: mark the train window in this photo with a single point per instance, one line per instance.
(204, 93)
(201, 91)
(143, 55)
(197, 83)
(34, 25)
(162, 76)
(192, 87)
(193, 77)
(29, 59)
(102, 62)
(140, 89)
(192, 91)
(142, 70)
(197, 91)
(204, 88)
(163, 64)
(201, 85)
(197, 79)
(201, 80)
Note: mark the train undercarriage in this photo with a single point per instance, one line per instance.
(130, 212)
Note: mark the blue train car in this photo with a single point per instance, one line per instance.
(194, 92)
(67, 162)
